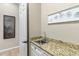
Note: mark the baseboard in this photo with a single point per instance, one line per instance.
(9, 49)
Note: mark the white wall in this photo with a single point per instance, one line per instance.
(65, 32)
(35, 19)
(8, 9)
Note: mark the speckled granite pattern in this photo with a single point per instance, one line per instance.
(59, 48)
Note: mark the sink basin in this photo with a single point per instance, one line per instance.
(41, 42)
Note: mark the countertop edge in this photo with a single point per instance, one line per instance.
(41, 48)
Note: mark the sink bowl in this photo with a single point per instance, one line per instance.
(41, 42)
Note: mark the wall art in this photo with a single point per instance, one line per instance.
(9, 26)
(67, 15)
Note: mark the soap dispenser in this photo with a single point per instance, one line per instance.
(45, 37)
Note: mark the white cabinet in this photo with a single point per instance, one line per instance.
(36, 51)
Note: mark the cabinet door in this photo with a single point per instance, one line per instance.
(33, 52)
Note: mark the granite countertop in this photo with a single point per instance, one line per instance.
(59, 48)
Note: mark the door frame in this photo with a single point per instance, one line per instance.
(28, 40)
